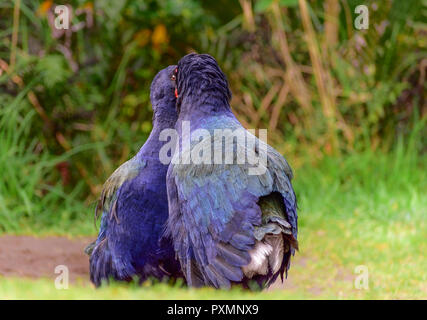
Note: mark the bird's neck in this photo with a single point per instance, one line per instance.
(151, 147)
(196, 108)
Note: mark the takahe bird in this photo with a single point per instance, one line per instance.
(228, 226)
(134, 205)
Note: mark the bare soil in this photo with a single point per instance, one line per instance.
(26, 256)
(33, 257)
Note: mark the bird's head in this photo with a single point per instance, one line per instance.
(198, 76)
(162, 93)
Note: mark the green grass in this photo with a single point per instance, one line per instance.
(31, 199)
(323, 269)
(45, 289)
(367, 209)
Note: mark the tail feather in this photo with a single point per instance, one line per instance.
(104, 266)
(89, 248)
(275, 243)
(98, 271)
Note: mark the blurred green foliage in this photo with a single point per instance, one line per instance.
(92, 82)
(75, 104)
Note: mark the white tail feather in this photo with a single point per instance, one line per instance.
(259, 259)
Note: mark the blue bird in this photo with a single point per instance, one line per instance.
(229, 226)
(134, 205)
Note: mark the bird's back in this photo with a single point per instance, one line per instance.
(231, 226)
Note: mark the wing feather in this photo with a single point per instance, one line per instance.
(213, 213)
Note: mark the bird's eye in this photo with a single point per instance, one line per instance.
(173, 77)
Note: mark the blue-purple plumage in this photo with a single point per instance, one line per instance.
(221, 217)
(134, 205)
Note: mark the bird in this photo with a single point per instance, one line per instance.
(228, 226)
(134, 205)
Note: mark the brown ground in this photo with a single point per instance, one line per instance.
(24, 256)
(30, 257)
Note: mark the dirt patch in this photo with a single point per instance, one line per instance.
(31, 257)
(25, 256)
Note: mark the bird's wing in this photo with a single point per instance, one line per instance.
(127, 171)
(107, 202)
(213, 212)
(101, 258)
(282, 175)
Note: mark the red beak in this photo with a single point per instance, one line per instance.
(176, 93)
